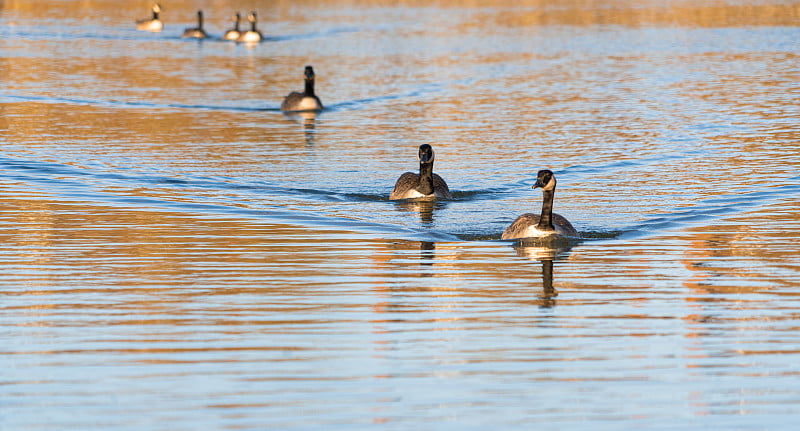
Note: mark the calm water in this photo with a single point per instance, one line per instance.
(177, 254)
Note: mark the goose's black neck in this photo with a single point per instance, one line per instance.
(155, 15)
(200, 20)
(425, 185)
(309, 87)
(236, 26)
(253, 25)
(546, 219)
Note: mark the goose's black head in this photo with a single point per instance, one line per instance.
(545, 179)
(309, 73)
(425, 153)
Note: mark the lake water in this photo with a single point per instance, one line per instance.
(177, 254)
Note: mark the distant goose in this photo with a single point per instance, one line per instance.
(251, 35)
(154, 24)
(305, 101)
(197, 32)
(548, 223)
(426, 184)
(233, 33)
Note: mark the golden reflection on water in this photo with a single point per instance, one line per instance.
(744, 254)
(127, 247)
(147, 247)
(72, 249)
(639, 13)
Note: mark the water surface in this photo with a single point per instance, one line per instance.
(178, 254)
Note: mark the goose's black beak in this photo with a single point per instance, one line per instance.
(538, 184)
(425, 157)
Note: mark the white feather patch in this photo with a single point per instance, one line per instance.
(533, 232)
(249, 36)
(151, 25)
(308, 104)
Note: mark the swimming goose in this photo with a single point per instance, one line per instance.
(251, 35)
(425, 185)
(154, 24)
(548, 223)
(233, 33)
(197, 32)
(305, 101)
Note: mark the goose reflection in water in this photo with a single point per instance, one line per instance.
(309, 121)
(425, 209)
(427, 254)
(544, 251)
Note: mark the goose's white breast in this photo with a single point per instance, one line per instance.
(534, 232)
(250, 36)
(308, 104)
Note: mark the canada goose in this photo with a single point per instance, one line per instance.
(549, 223)
(251, 35)
(233, 33)
(198, 32)
(425, 185)
(305, 101)
(153, 24)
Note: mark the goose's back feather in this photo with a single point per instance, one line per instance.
(405, 187)
(196, 33)
(440, 188)
(525, 227)
(300, 102)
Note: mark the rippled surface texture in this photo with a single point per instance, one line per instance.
(178, 254)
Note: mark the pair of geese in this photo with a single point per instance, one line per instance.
(428, 185)
(155, 24)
